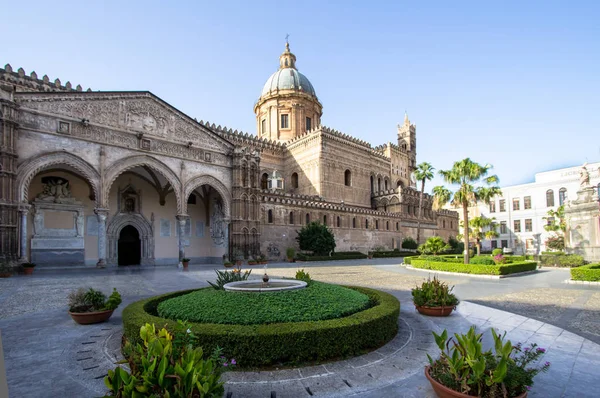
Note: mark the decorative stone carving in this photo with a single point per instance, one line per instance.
(217, 224)
(144, 227)
(56, 190)
(584, 177)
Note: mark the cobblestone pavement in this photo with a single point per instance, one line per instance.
(42, 343)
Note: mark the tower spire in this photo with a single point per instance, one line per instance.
(287, 59)
(406, 121)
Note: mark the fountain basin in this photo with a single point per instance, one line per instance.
(274, 285)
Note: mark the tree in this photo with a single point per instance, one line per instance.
(441, 196)
(423, 172)
(409, 243)
(434, 245)
(478, 232)
(556, 242)
(557, 224)
(317, 238)
(467, 174)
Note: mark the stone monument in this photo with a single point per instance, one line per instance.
(58, 236)
(583, 220)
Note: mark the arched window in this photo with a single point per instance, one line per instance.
(307, 218)
(562, 196)
(397, 226)
(379, 185)
(291, 217)
(387, 225)
(294, 180)
(339, 222)
(270, 216)
(443, 223)
(399, 184)
(549, 198)
(451, 224)
(244, 175)
(385, 183)
(324, 220)
(244, 208)
(264, 181)
(376, 224)
(372, 186)
(366, 224)
(354, 220)
(347, 178)
(253, 176)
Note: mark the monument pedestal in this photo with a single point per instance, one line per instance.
(583, 225)
(58, 234)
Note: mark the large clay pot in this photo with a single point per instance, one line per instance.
(185, 264)
(28, 270)
(444, 392)
(87, 318)
(434, 311)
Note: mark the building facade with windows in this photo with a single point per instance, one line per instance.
(121, 178)
(522, 211)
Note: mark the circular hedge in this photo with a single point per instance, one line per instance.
(290, 342)
(316, 302)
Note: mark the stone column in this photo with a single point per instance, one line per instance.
(24, 210)
(181, 220)
(226, 241)
(102, 216)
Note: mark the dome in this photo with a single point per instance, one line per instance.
(288, 79)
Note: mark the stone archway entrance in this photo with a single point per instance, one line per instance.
(129, 246)
(145, 236)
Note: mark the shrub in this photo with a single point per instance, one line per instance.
(457, 246)
(393, 253)
(303, 276)
(465, 367)
(409, 243)
(589, 273)
(293, 342)
(92, 300)
(316, 302)
(495, 252)
(562, 260)
(334, 256)
(434, 293)
(434, 245)
(482, 260)
(317, 238)
(290, 252)
(224, 277)
(478, 269)
(165, 369)
(499, 259)
(555, 242)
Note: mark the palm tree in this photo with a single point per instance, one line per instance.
(477, 226)
(423, 172)
(441, 196)
(467, 174)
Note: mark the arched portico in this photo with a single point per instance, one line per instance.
(145, 229)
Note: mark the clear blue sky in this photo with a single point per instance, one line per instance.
(513, 84)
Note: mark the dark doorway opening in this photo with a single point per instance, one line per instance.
(130, 249)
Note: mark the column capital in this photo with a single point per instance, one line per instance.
(100, 212)
(182, 217)
(24, 208)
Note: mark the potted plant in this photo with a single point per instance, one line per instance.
(239, 257)
(92, 306)
(290, 254)
(261, 259)
(464, 369)
(369, 255)
(6, 269)
(434, 298)
(185, 261)
(252, 261)
(28, 268)
(228, 264)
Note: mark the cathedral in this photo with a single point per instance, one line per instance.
(110, 178)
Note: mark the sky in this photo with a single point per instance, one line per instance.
(511, 84)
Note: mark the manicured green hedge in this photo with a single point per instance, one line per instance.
(288, 343)
(589, 273)
(334, 256)
(393, 253)
(318, 301)
(562, 260)
(504, 269)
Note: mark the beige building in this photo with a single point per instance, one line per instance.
(124, 178)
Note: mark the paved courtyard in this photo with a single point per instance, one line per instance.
(48, 355)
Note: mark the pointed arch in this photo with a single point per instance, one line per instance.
(31, 167)
(143, 226)
(122, 165)
(218, 186)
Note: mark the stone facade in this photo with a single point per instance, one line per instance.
(144, 176)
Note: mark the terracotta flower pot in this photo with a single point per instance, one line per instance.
(5, 274)
(185, 264)
(87, 318)
(434, 311)
(228, 265)
(28, 270)
(444, 392)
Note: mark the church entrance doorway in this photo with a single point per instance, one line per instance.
(129, 246)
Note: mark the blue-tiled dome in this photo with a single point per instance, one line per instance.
(288, 77)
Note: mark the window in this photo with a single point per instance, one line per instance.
(397, 226)
(379, 185)
(324, 220)
(307, 218)
(308, 124)
(529, 244)
(517, 225)
(528, 226)
(263, 126)
(291, 217)
(376, 224)
(385, 183)
(502, 205)
(366, 224)
(549, 198)
(354, 222)
(451, 224)
(339, 222)
(562, 196)
(285, 121)
(504, 243)
(503, 227)
(550, 221)
(527, 202)
(387, 225)
(294, 180)
(191, 199)
(264, 181)
(443, 223)
(347, 178)
(270, 216)
(494, 244)
(516, 204)
(493, 207)
(372, 186)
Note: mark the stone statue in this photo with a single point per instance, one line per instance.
(57, 191)
(79, 223)
(584, 177)
(38, 222)
(217, 232)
